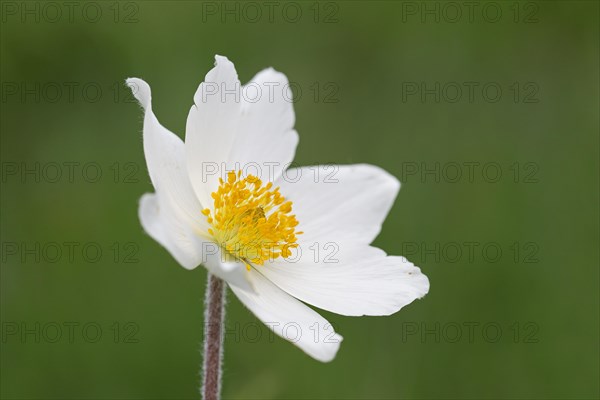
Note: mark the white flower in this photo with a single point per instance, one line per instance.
(241, 228)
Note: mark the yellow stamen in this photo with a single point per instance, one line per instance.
(250, 221)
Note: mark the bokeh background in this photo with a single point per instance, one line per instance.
(511, 250)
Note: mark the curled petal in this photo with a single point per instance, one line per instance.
(291, 319)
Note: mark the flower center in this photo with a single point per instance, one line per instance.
(250, 221)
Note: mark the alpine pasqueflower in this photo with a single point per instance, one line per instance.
(279, 237)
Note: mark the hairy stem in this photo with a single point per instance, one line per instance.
(214, 316)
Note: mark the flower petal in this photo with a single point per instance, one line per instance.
(165, 158)
(267, 141)
(340, 202)
(291, 319)
(188, 248)
(231, 127)
(212, 127)
(348, 279)
(231, 271)
(172, 232)
(173, 216)
(341, 209)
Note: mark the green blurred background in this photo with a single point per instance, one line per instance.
(521, 324)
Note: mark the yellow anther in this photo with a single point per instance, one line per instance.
(250, 221)
(230, 177)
